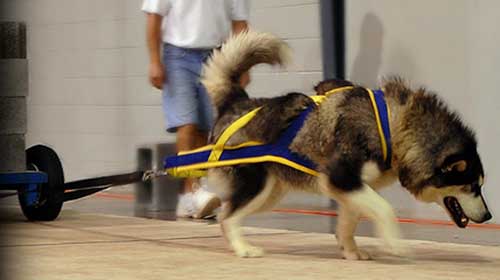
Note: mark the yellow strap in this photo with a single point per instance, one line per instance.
(198, 169)
(335, 90)
(379, 123)
(218, 147)
(184, 173)
(320, 98)
(209, 147)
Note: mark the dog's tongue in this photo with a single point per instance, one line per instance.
(456, 212)
(464, 221)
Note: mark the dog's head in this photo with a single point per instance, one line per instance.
(457, 186)
(439, 160)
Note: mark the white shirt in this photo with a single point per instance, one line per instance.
(197, 23)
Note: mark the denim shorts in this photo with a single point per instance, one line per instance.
(185, 100)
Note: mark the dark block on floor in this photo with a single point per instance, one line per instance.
(12, 154)
(12, 40)
(13, 115)
(157, 196)
(13, 77)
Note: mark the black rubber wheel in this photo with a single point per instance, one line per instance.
(42, 158)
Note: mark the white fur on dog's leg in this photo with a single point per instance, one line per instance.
(241, 248)
(231, 224)
(346, 226)
(372, 205)
(358, 255)
(249, 251)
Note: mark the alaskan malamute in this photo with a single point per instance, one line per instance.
(433, 153)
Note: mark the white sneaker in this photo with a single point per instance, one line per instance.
(185, 206)
(205, 203)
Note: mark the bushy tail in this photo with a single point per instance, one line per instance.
(222, 71)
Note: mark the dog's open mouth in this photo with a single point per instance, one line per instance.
(456, 212)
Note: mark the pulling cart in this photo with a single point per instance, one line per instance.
(41, 188)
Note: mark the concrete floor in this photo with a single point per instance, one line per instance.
(98, 238)
(97, 246)
(120, 201)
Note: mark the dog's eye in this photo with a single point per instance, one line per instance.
(476, 185)
(476, 188)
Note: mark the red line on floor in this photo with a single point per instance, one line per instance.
(329, 213)
(400, 220)
(127, 197)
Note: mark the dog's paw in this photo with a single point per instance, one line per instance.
(396, 248)
(249, 252)
(357, 255)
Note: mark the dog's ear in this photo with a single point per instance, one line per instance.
(324, 86)
(460, 166)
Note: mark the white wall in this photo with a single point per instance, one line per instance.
(89, 94)
(302, 34)
(450, 46)
(298, 23)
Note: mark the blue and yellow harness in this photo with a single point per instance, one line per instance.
(195, 163)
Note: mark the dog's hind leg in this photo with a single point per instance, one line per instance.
(244, 202)
(346, 226)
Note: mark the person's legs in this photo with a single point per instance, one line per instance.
(186, 115)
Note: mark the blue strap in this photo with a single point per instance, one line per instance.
(279, 148)
(384, 119)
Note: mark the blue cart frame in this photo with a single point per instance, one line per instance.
(27, 181)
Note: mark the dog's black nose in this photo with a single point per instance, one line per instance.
(487, 216)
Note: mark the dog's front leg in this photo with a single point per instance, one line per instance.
(377, 209)
(369, 204)
(346, 226)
